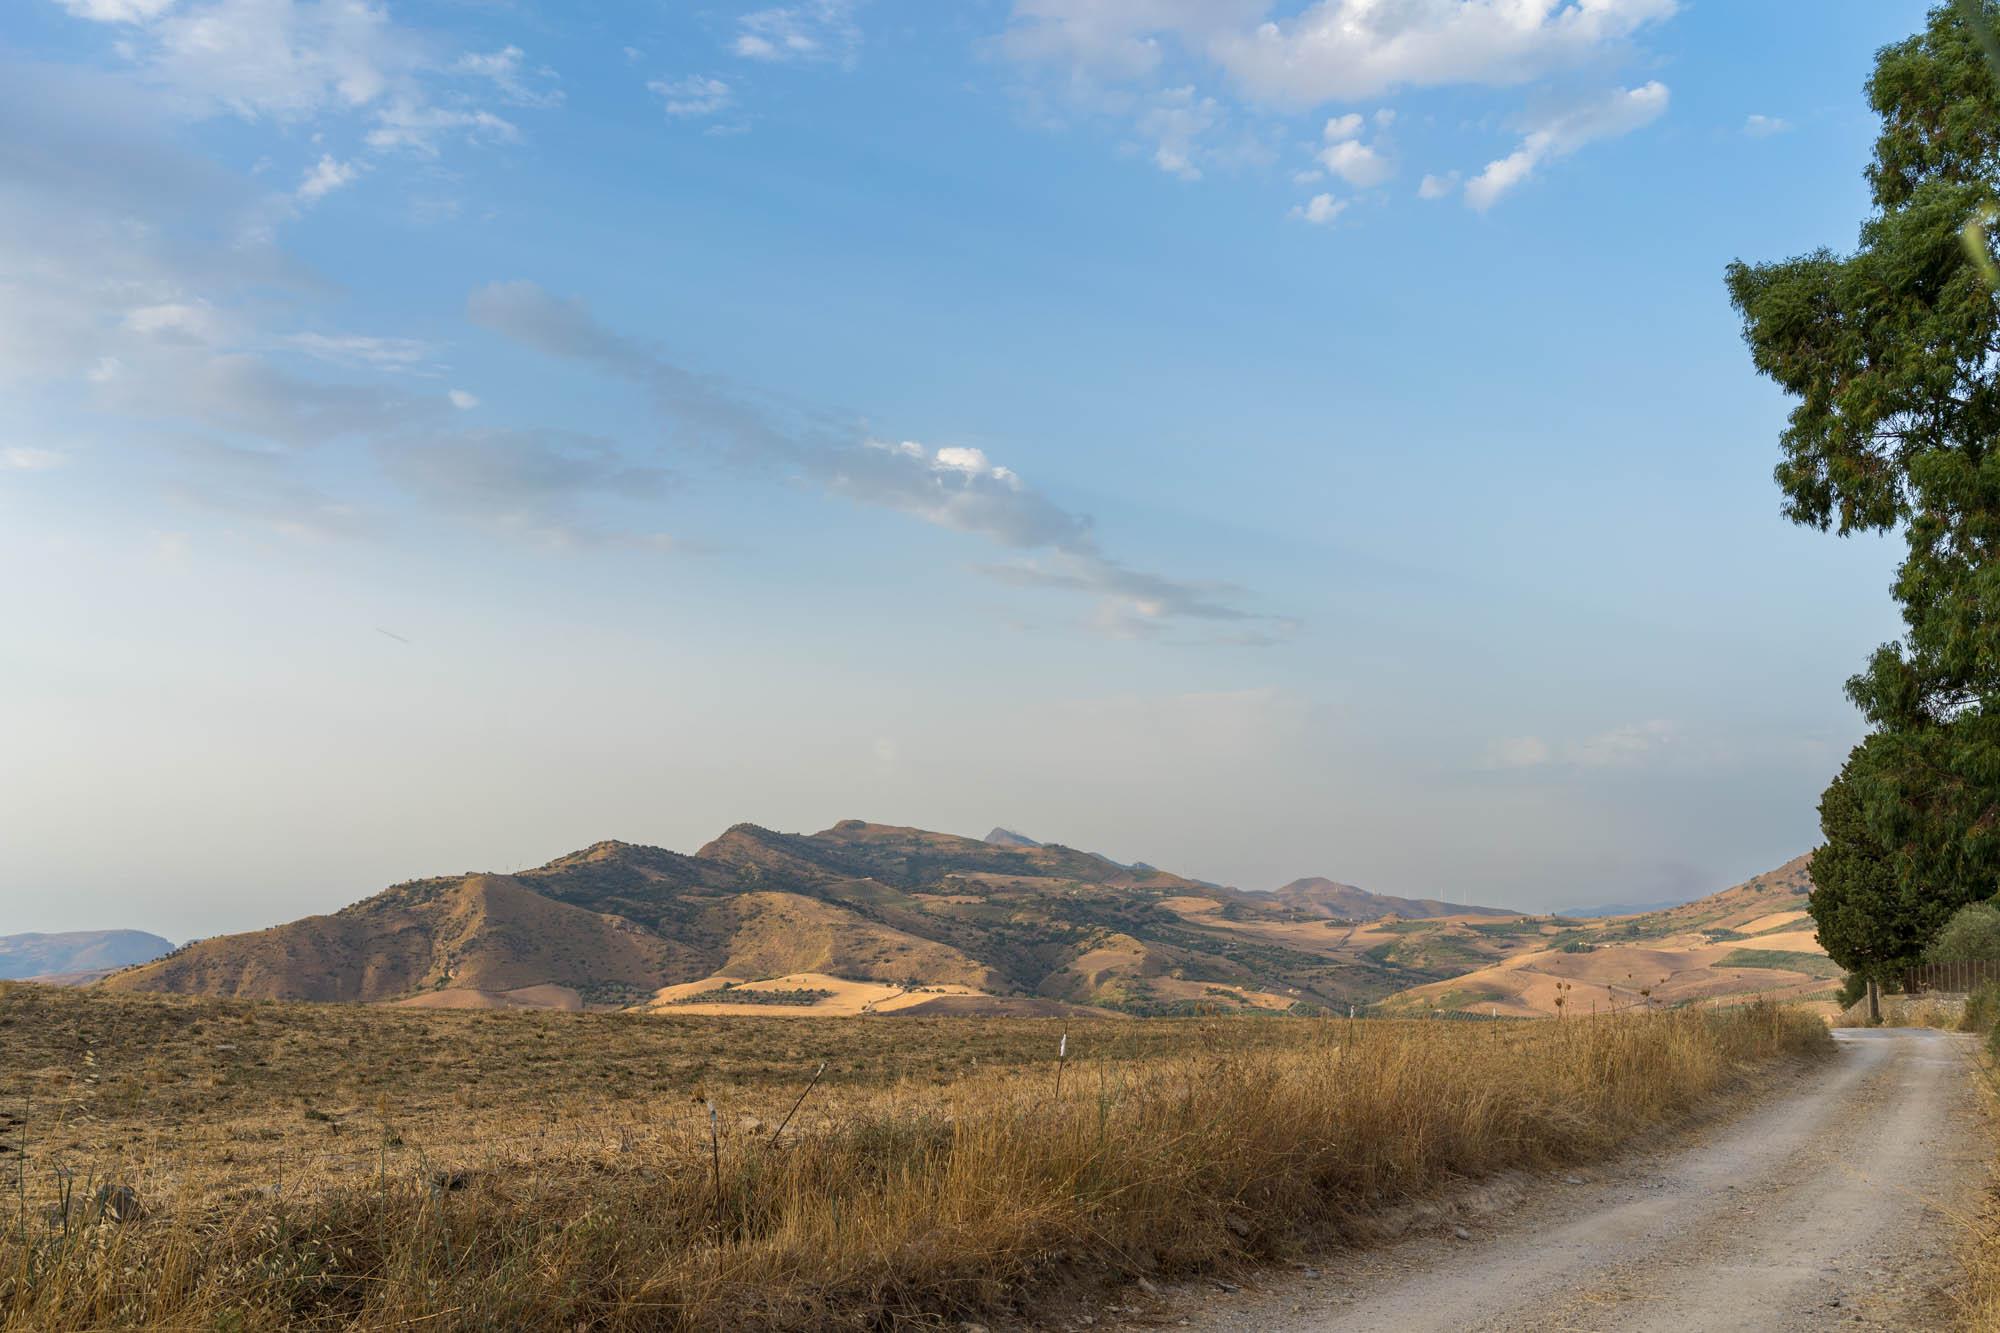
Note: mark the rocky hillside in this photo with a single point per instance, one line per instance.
(871, 918)
(764, 921)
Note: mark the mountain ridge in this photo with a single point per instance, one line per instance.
(856, 918)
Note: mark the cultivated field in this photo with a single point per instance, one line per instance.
(227, 1164)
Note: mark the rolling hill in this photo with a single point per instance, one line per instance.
(871, 918)
(1754, 938)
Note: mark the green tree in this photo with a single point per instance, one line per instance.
(1875, 913)
(1971, 936)
(1893, 355)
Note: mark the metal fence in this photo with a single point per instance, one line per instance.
(1959, 978)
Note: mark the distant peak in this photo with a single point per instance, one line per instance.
(1003, 837)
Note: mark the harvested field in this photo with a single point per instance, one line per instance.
(345, 1167)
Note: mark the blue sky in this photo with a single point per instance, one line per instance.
(1264, 439)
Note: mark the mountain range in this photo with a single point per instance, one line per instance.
(873, 918)
(76, 955)
(964, 923)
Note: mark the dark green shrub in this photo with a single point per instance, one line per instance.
(1852, 989)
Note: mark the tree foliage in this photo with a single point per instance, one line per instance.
(1892, 354)
(1971, 936)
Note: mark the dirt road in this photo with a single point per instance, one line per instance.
(1827, 1205)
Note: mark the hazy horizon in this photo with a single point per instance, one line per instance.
(440, 437)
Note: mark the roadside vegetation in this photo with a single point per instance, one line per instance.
(235, 1165)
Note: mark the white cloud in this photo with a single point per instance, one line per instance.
(817, 30)
(507, 70)
(117, 11)
(1344, 49)
(1356, 163)
(1114, 56)
(462, 400)
(182, 321)
(1320, 209)
(955, 488)
(283, 58)
(134, 278)
(1616, 113)
(969, 460)
(1342, 127)
(294, 60)
(1175, 122)
(1762, 127)
(351, 349)
(325, 177)
(1332, 50)
(695, 95)
(417, 127)
(19, 458)
(1437, 187)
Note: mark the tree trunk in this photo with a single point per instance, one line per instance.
(1874, 1002)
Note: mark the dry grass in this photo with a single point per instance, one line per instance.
(917, 1187)
(1980, 1248)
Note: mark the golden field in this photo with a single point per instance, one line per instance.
(332, 1167)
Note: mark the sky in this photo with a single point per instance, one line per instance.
(1257, 437)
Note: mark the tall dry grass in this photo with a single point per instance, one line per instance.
(971, 1200)
(1980, 1234)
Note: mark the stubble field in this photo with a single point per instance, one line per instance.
(216, 1164)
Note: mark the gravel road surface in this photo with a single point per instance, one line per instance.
(1829, 1204)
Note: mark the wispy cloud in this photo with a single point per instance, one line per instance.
(952, 487)
(1243, 58)
(539, 484)
(21, 458)
(349, 349)
(295, 61)
(1618, 747)
(1616, 113)
(1763, 127)
(1437, 187)
(508, 71)
(323, 178)
(1332, 50)
(695, 95)
(816, 30)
